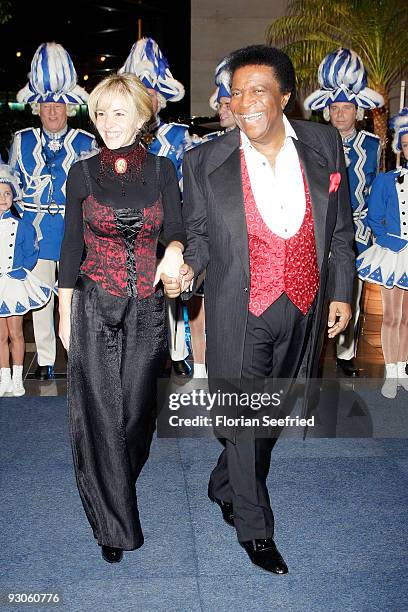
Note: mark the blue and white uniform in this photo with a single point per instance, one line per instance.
(343, 80)
(42, 161)
(20, 290)
(172, 140)
(386, 262)
(210, 136)
(362, 151)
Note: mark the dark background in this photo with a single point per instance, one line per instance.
(89, 29)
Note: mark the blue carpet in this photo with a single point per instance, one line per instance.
(341, 523)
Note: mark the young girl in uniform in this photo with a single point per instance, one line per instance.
(20, 291)
(386, 262)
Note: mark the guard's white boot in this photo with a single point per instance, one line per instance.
(402, 375)
(389, 388)
(6, 385)
(18, 387)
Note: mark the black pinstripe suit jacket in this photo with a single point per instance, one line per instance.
(214, 216)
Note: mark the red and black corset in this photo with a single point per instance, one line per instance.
(121, 247)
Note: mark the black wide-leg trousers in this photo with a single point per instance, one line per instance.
(274, 347)
(117, 350)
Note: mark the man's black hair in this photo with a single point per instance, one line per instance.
(262, 55)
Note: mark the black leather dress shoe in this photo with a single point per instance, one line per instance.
(265, 555)
(348, 367)
(226, 509)
(44, 372)
(112, 555)
(181, 368)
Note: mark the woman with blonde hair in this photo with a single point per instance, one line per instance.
(112, 316)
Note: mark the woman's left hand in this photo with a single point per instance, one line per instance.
(64, 329)
(170, 264)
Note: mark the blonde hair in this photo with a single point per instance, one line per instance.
(127, 86)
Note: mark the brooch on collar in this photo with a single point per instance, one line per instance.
(121, 165)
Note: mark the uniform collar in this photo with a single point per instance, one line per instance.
(349, 138)
(5, 215)
(55, 135)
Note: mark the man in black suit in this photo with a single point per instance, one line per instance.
(267, 214)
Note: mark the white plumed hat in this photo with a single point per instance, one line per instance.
(52, 78)
(342, 78)
(222, 81)
(147, 62)
(8, 176)
(399, 123)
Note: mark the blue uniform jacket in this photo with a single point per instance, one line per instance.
(388, 210)
(172, 140)
(43, 163)
(362, 153)
(18, 246)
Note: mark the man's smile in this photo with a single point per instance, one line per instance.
(252, 116)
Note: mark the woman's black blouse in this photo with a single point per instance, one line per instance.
(139, 194)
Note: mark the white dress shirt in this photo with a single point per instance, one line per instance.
(280, 194)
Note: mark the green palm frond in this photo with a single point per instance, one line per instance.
(376, 30)
(5, 11)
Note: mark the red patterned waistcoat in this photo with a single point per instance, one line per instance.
(278, 265)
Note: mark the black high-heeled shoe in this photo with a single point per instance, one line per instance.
(112, 555)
